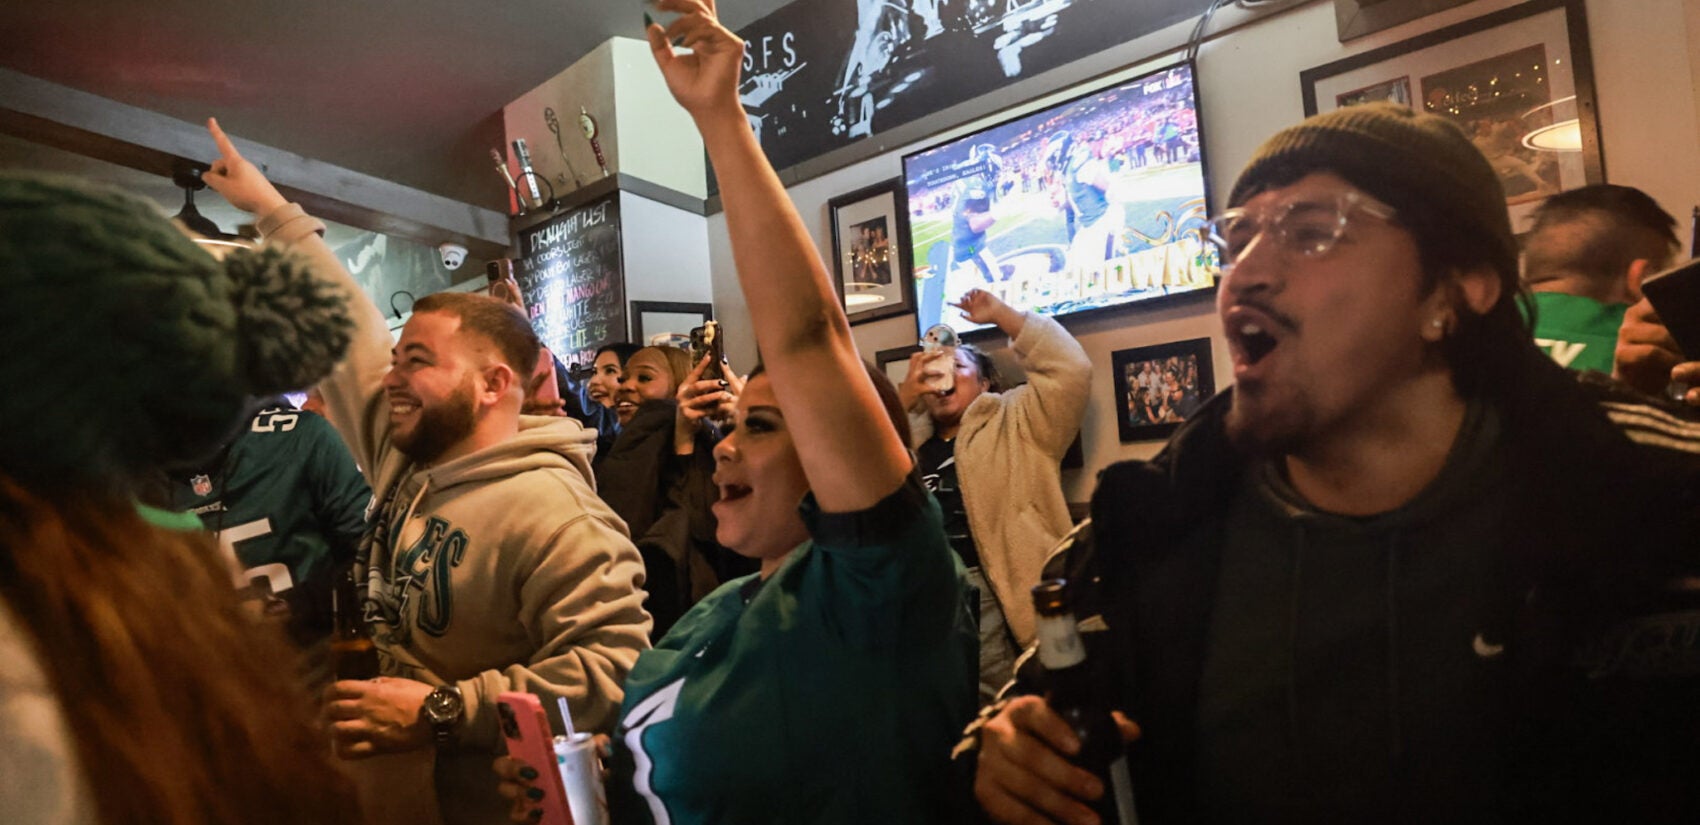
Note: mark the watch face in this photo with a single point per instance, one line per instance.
(443, 705)
(588, 124)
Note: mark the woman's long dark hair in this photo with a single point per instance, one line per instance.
(183, 710)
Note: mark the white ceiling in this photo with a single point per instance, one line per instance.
(406, 90)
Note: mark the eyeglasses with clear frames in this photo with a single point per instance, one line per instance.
(1307, 227)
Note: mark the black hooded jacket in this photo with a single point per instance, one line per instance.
(1599, 519)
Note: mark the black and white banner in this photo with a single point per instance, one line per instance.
(820, 74)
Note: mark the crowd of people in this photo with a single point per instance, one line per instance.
(1164, 391)
(1407, 569)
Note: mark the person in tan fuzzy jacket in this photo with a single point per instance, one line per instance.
(491, 564)
(993, 459)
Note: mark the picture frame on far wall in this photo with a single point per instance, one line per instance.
(1159, 387)
(674, 319)
(894, 362)
(1356, 18)
(870, 275)
(1538, 125)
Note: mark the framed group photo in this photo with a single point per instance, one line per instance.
(667, 323)
(872, 281)
(1160, 387)
(1518, 81)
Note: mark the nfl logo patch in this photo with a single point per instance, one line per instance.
(201, 484)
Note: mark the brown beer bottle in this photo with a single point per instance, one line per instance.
(1072, 693)
(353, 654)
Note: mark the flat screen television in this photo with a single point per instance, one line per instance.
(1092, 203)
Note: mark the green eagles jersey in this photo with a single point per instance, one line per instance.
(287, 499)
(1579, 333)
(831, 693)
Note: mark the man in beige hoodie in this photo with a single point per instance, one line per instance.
(491, 564)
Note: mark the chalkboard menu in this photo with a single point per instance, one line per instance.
(574, 281)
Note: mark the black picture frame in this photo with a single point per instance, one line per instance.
(1422, 71)
(641, 331)
(1143, 422)
(1356, 18)
(898, 356)
(876, 267)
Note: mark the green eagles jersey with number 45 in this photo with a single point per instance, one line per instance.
(830, 693)
(287, 499)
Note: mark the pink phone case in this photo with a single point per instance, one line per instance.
(526, 730)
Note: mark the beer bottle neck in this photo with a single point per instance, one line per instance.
(1060, 647)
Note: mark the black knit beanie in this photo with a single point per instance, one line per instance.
(127, 347)
(1415, 162)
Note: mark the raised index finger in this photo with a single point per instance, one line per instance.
(225, 147)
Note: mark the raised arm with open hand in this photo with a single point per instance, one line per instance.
(982, 307)
(849, 450)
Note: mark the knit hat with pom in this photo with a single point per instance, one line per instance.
(127, 347)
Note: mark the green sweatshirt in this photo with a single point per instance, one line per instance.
(1579, 333)
(830, 693)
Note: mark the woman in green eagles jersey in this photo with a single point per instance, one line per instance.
(829, 686)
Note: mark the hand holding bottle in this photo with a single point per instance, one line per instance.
(1064, 756)
(1024, 771)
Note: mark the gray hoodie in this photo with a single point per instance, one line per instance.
(502, 569)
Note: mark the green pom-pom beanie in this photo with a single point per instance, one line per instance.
(128, 347)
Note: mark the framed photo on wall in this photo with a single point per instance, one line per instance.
(1356, 18)
(872, 281)
(895, 362)
(674, 319)
(1159, 387)
(1519, 81)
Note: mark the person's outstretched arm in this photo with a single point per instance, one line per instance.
(849, 451)
(353, 391)
(1052, 404)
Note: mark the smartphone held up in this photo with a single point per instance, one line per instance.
(707, 341)
(1675, 295)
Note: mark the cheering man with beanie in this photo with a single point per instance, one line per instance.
(490, 565)
(1406, 569)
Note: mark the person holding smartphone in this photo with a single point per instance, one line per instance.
(992, 457)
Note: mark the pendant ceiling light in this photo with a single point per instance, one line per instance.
(1554, 127)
